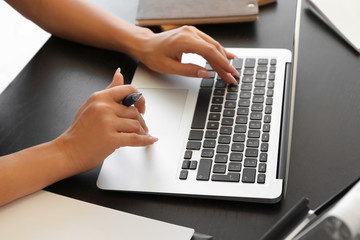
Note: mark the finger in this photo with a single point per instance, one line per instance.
(118, 79)
(133, 139)
(212, 55)
(126, 125)
(212, 41)
(230, 55)
(227, 77)
(131, 113)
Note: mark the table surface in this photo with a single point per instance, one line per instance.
(43, 99)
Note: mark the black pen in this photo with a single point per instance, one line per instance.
(131, 99)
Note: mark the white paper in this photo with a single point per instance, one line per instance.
(341, 15)
(45, 215)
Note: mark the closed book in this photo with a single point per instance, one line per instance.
(192, 12)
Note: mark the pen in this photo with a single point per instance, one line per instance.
(131, 99)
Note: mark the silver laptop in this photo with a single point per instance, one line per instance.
(215, 140)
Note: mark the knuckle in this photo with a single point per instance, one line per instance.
(95, 97)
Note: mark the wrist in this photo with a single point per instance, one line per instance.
(135, 45)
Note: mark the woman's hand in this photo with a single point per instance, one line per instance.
(162, 52)
(103, 124)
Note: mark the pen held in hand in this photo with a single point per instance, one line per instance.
(131, 99)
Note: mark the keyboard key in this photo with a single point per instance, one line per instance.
(244, 103)
(191, 145)
(261, 68)
(219, 168)
(230, 177)
(207, 83)
(204, 169)
(259, 91)
(252, 143)
(251, 152)
(261, 76)
(208, 153)
(196, 135)
(267, 119)
(211, 134)
(254, 134)
(217, 100)
(201, 108)
(212, 125)
(185, 164)
(188, 155)
(260, 83)
(273, 61)
(262, 167)
(263, 157)
(241, 120)
(224, 139)
(220, 84)
(222, 149)
(265, 137)
(272, 69)
(248, 175)
(227, 121)
(239, 137)
(246, 87)
(214, 116)
(263, 61)
(250, 162)
(261, 178)
(230, 104)
(215, 108)
(236, 157)
(242, 111)
(256, 116)
(257, 107)
(231, 96)
(247, 79)
(240, 128)
(234, 167)
(193, 165)
(232, 88)
(209, 143)
(229, 113)
(266, 127)
(245, 95)
(268, 109)
(269, 101)
(258, 99)
(264, 147)
(237, 63)
(221, 158)
(183, 174)
(219, 92)
(248, 71)
(226, 130)
(271, 76)
(255, 125)
(250, 62)
(237, 147)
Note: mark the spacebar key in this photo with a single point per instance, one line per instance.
(201, 108)
(230, 177)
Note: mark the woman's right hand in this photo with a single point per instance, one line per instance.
(102, 125)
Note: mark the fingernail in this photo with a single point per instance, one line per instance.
(153, 139)
(118, 70)
(203, 74)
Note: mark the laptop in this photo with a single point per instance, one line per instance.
(215, 140)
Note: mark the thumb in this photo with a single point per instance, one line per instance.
(118, 79)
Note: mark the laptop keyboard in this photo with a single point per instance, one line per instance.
(230, 130)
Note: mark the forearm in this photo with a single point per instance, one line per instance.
(84, 22)
(32, 169)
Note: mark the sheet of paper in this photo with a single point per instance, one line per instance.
(342, 16)
(44, 215)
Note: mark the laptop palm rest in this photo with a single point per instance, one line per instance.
(148, 168)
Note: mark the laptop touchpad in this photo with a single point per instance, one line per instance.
(164, 110)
